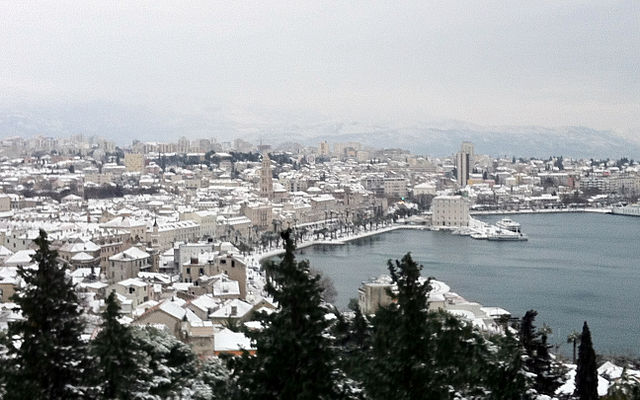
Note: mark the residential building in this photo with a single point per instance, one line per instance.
(134, 162)
(127, 264)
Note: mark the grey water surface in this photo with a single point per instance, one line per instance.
(575, 267)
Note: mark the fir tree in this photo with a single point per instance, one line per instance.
(548, 373)
(402, 362)
(294, 358)
(115, 354)
(351, 338)
(47, 355)
(215, 376)
(528, 331)
(506, 380)
(360, 328)
(168, 368)
(587, 371)
(418, 354)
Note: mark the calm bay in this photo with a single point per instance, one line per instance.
(575, 267)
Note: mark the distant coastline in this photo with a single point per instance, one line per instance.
(543, 211)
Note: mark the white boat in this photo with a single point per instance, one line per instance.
(632, 210)
(507, 236)
(508, 224)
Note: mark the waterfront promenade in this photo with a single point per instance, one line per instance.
(347, 237)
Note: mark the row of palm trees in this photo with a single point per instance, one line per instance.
(336, 224)
(329, 228)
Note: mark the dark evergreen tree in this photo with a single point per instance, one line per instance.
(168, 368)
(528, 331)
(294, 358)
(360, 328)
(352, 334)
(215, 376)
(587, 371)
(402, 357)
(538, 361)
(506, 380)
(49, 358)
(417, 354)
(115, 354)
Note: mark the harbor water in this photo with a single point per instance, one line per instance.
(574, 267)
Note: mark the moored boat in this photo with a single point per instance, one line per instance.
(508, 224)
(507, 236)
(632, 210)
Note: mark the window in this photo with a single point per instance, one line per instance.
(131, 290)
(233, 263)
(189, 271)
(201, 271)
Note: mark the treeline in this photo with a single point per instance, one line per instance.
(306, 350)
(111, 191)
(44, 355)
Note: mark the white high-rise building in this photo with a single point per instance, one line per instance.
(464, 163)
(323, 149)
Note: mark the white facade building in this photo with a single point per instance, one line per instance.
(450, 211)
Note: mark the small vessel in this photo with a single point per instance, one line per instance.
(508, 224)
(632, 210)
(507, 236)
(479, 236)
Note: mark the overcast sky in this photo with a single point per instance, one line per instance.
(493, 63)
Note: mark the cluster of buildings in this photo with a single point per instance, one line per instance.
(376, 292)
(173, 228)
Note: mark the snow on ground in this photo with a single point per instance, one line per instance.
(570, 385)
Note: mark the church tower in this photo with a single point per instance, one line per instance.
(266, 178)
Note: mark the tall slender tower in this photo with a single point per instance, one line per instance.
(266, 178)
(464, 163)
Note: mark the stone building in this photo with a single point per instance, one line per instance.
(449, 211)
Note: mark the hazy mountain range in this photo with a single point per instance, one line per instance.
(122, 124)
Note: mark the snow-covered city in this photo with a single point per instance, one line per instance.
(327, 200)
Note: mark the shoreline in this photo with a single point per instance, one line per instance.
(544, 211)
(346, 239)
(342, 240)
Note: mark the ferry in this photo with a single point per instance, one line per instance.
(632, 210)
(508, 224)
(507, 236)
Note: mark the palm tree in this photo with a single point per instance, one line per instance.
(574, 337)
